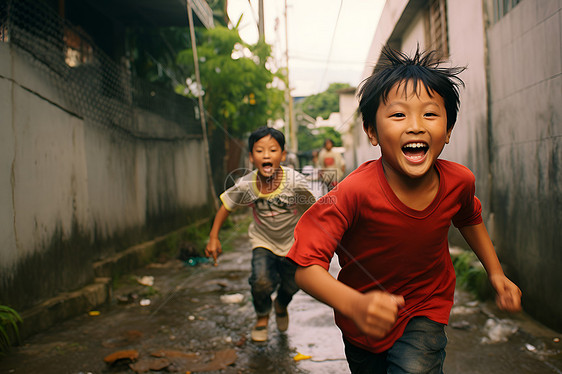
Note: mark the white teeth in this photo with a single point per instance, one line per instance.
(415, 145)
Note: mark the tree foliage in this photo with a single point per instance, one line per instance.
(311, 107)
(324, 103)
(313, 139)
(236, 83)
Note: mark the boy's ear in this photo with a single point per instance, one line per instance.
(251, 157)
(283, 156)
(448, 138)
(372, 134)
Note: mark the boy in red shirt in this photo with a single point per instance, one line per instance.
(388, 223)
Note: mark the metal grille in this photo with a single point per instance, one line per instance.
(90, 84)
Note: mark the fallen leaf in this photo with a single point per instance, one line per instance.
(148, 364)
(221, 360)
(131, 354)
(167, 353)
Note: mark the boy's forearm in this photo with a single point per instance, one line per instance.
(321, 285)
(220, 217)
(479, 241)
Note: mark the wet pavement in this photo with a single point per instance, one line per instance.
(182, 324)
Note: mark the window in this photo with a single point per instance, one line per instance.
(438, 27)
(502, 7)
(78, 50)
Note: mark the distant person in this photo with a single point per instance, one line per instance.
(388, 223)
(278, 196)
(331, 164)
(315, 163)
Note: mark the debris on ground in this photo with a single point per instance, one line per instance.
(126, 355)
(498, 330)
(147, 280)
(462, 325)
(232, 298)
(300, 356)
(460, 310)
(148, 364)
(178, 361)
(193, 261)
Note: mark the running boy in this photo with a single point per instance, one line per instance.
(388, 222)
(278, 196)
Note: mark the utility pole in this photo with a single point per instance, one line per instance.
(292, 131)
(201, 107)
(261, 22)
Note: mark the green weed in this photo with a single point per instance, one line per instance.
(9, 330)
(471, 275)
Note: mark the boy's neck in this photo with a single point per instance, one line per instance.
(415, 193)
(267, 185)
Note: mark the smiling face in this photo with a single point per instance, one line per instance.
(411, 129)
(267, 155)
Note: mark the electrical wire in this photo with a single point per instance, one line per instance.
(331, 46)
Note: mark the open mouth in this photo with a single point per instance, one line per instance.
(415, 152)
(267, 167)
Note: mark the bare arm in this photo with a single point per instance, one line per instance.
(374, 312)
(214, 247)
(508, 294)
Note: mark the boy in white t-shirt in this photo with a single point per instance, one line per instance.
(278, 196)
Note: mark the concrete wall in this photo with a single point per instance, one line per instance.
(525, 61)
(73, 191)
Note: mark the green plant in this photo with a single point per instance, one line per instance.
(8, 317)
(472, 276)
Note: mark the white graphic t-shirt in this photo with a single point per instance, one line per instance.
(276, 213)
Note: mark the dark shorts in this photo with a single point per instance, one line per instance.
(421, 349)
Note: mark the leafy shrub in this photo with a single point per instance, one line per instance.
(9, 320)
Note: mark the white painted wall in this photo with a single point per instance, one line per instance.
(415, 35)
(469, 142)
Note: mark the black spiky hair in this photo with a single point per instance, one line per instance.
(397, 68)
(264, 131)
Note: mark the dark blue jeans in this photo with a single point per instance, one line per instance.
(271, 273)
(421, 349)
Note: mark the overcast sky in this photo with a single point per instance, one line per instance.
(324, 48)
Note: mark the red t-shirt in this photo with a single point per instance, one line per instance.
(384, 245)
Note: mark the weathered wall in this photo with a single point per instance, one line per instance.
(73, 191)
(526, 150)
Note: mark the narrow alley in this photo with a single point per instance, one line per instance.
(196, 318)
